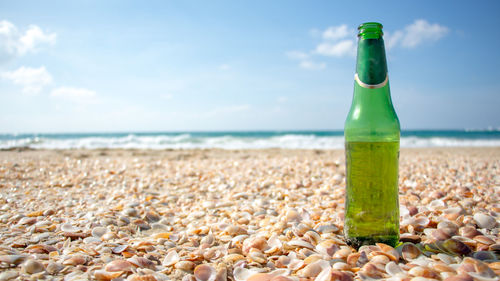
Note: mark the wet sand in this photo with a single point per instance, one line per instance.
(269, 214)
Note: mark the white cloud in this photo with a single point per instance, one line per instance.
(337, 32)
(304, 60)
(78, 95)
(417, 33)
(311, 65)
(15, 43)
(338, 49)
(31, 79)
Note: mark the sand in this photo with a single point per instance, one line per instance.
(239, 215)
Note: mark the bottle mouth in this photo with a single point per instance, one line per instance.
(370, 30)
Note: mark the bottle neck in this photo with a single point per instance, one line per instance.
(371, 64)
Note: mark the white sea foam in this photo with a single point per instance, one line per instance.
(188, 141)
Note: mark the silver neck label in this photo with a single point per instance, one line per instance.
(371, 86)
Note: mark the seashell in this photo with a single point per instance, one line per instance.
(27, 221)
(108, 236)
(242, 274)
(342, 253)
(460, 277)
(258, 243)
(260, 277)
(408, 237)
(380, 259)
(442, 267)
(423, 272)
(119, 265)
(313, 237)
(292, 215)
(8, 275)
(410, 252)
(342, 276)
(274, 244)
(447, 259)
(328, 247)
(53, 268)
(257, 257)
(232, 258)
(103, 275)
(388, 251)
(313, 269)
(282, 278)
(185, 265)
(295, 264)
(131, 212)
(372, 270)
(297, 243)
(469, 232)
(484, 256)
(32, 266)
(119, 249)
(208, 239)
(141, 262)
(440, 234)
(456, 247)
(204, 272)
(328, 228)
(437, 204)
(484, 240)
(300, 229)
(12, 259)
(393, 269)
(485, 221)
(235, 230)
(421, 221)
(66, 227)
(324, 275)
(75, 235)
(171, 258)
(75, 260)
(152, 217)
(99, 231)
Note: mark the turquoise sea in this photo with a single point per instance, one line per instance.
(240, 139)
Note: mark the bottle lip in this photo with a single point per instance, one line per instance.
(370, 30)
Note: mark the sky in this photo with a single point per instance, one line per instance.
(122, 66)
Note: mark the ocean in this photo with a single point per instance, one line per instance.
(240, 139)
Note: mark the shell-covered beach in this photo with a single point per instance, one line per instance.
(273, 214)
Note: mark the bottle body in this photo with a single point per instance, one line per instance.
(372, 134)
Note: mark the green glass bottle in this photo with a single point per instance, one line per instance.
(372, 148)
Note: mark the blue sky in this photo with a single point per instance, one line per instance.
(240, 65)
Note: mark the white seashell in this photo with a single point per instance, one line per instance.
(324, 275)
(300, 244)
(393, 269)
(274, 244)
(485, 221)
(66, 227)
(171, 258)
(242, 274)
(205, 272)
(99, 231)
(436, 205)
(479, 277)
(313, 269)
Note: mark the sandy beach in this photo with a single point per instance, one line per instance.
(271, 214)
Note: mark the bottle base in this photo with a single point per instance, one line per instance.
(357, 242)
